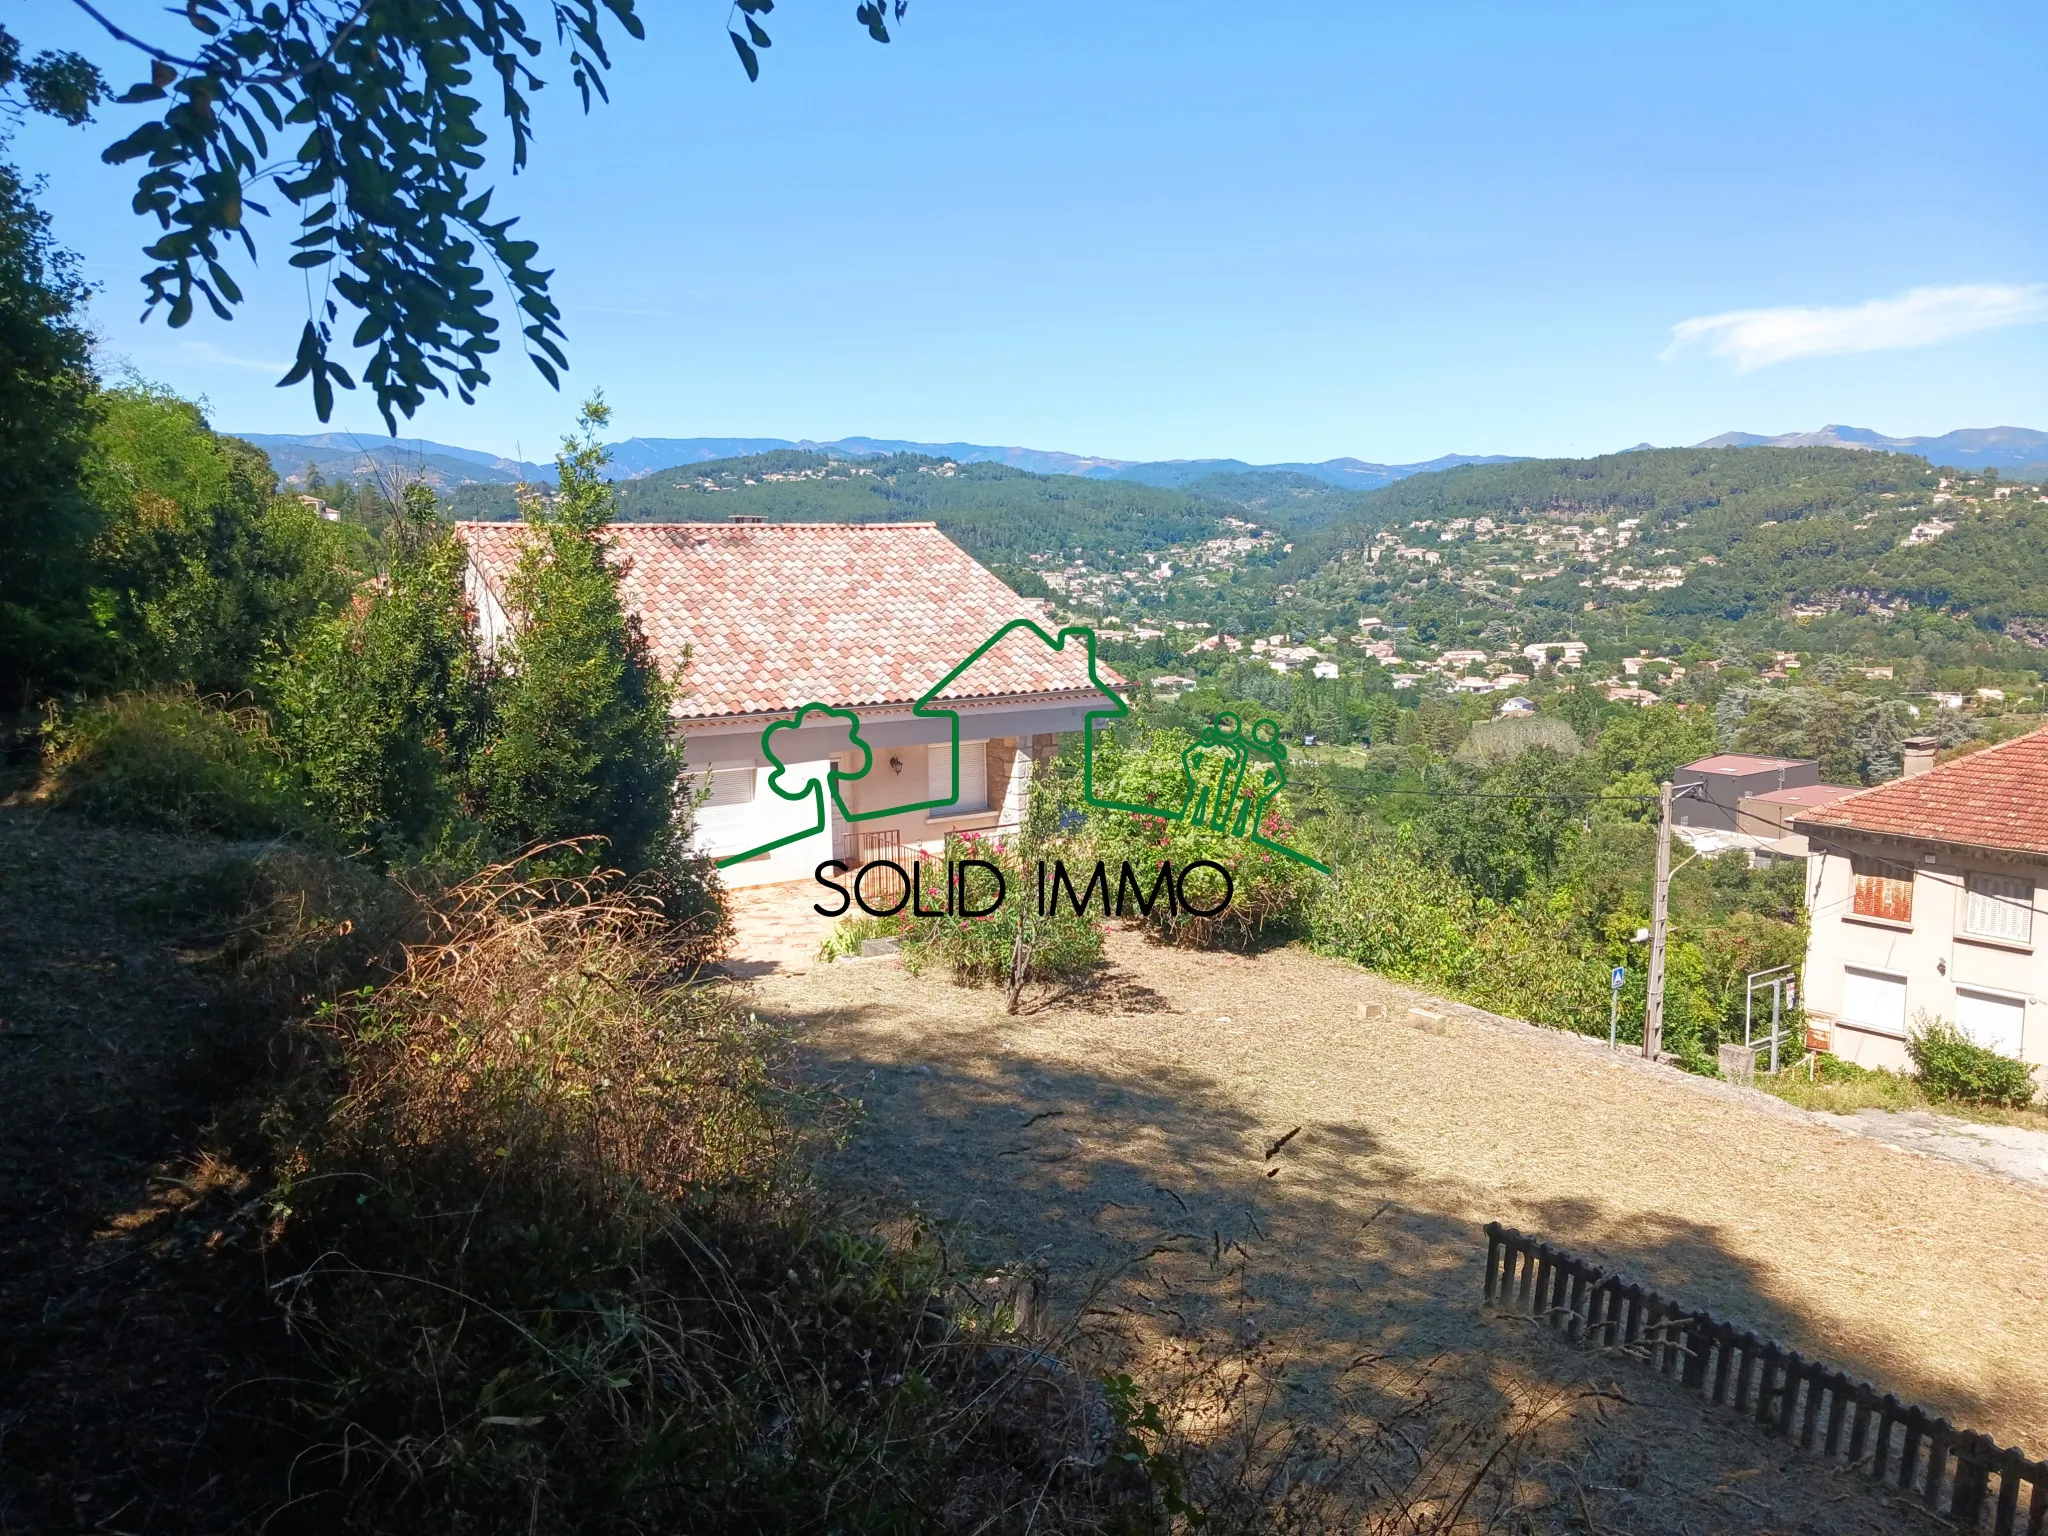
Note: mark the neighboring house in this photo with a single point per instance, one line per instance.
(1516, 707)
(1768, 817)
(1326, 670)
(1565, 653)
(753, 621)
(1641, 697)
(1922, 896)
(1711, 790)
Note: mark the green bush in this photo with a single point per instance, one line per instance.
(169, 761)
(384, 706)
(980, 951)
(1270, 892)
(1953, 1066)
(984, 951)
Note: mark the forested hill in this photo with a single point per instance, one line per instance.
(1724, 489)
(1695, 534)
(999, 514)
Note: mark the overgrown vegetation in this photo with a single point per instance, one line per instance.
(1953, 1066)
(169, 761)
(553, 1257)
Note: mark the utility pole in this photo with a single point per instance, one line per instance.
(1660, 914)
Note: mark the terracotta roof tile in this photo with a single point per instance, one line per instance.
(772, 616)
(1996, 798)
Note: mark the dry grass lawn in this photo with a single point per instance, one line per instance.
(1117, 1136)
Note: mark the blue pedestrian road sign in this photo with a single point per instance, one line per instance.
(1620, 974)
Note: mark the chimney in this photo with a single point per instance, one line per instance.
(1918, 752)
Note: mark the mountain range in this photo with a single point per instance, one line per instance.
(1970, 448)
(347, 456)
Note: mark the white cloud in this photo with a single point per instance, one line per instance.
(1919, 317)
(221, 357)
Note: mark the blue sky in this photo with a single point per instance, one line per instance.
(1152, 230)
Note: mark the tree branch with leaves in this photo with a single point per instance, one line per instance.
(370, 120)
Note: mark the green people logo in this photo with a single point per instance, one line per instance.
(1231, 775)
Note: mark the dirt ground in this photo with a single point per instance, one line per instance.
(1120, 1138)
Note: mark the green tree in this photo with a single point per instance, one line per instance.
(47, 521)
(1654, 742)
(201, 568)
(368, 119)
(583, 743)
(383, 707)
(1503, 834)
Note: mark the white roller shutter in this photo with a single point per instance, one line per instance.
(973, 794)
(1992, 1020)
(1873, 1000)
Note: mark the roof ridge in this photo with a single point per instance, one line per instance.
(1954, 762)
(1905, 791)
(619, 522)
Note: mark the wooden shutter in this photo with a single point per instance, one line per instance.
(1883, 890)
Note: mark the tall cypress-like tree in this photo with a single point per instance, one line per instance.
(583, 742)
(384, 707)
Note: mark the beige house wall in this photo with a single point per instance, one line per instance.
(1933, 954)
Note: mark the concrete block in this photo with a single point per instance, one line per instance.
(1738, 1065)
(1372, 1011)
(871, 948)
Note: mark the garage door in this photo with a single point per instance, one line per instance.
(1989, 1018)
(1874, 1000)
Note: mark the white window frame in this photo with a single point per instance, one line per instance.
(1998, 907)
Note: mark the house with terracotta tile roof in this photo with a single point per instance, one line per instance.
(1922, 896)
(752, 621)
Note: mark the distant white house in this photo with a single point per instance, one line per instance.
(1516, 707)
(1326, 670)
(1563, 653)
(754, 621)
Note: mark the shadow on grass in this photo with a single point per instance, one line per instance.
(1148, 1192)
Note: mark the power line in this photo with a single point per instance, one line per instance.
(1460, 794)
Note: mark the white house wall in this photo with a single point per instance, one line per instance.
(1933, 954)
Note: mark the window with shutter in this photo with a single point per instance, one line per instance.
(973, 794)
(1874, 1000)
(1883, 889)
(1993, 1019)
(728, 786)
(1999, 907)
